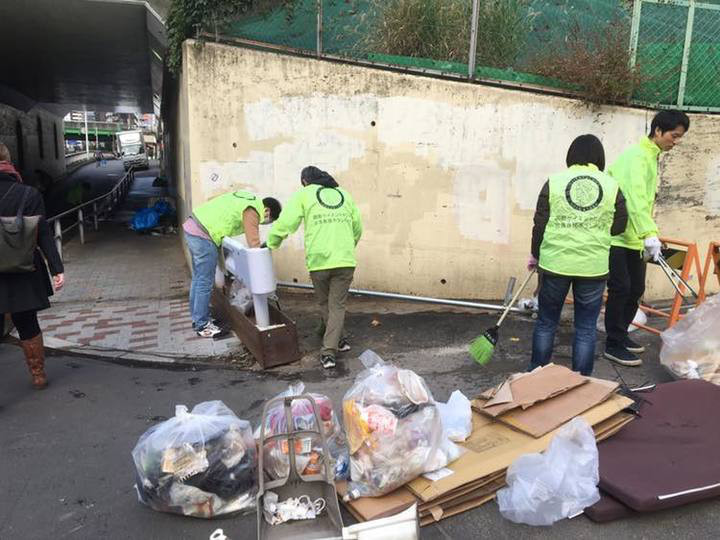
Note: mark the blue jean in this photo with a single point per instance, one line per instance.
(588, 296)
(203, 256)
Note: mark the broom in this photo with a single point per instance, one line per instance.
(482, 347)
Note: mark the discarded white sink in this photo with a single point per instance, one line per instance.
(254, 267)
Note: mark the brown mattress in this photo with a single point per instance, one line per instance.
(608, 509)
(668, 456)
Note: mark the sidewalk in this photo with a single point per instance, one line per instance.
(126, 296)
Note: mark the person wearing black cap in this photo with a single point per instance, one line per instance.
(332, 228)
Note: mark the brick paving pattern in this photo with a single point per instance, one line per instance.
(128, 292)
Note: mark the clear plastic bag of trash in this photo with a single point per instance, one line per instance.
(691, 348)
(240, 296)
(456, 416)
(308, 452)
(393, 427)
(544, 488)
(201, 463)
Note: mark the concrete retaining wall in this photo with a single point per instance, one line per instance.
(446, 174)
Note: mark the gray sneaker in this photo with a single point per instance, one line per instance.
(343, 345)
(209, 331)
(623, 357)
(633, 347)
(327, 361)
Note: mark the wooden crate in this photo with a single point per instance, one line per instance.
(272, 347)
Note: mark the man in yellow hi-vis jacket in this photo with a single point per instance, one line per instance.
(636, 173)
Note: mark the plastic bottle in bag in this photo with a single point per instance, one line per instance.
(394, 429)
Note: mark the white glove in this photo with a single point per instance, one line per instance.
(652, 248)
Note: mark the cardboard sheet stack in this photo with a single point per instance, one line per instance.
(518, 417)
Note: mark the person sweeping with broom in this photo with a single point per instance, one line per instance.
(578, 210)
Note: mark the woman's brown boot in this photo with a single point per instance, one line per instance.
(35, 358)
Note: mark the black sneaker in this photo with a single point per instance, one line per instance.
(633, 347)
(343, 345)
(623, 357)
(327, 361)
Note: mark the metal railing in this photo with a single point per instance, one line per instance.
(100, 205)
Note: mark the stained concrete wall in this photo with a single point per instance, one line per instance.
(34, 158)
(446, 174)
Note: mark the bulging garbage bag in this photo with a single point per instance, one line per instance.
(544, 488)
(394, 429)
(691, 348)
(456, 416)
(201, 463)
(308, 453)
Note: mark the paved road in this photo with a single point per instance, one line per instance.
(100, 180)
(65, 453)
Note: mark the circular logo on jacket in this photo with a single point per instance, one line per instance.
(583, 193)
(331, 198)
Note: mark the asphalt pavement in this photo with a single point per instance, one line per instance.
(65, 458)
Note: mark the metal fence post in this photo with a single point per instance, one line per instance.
(95, 217)
(472, 58)
(635, 31)
(81, 226)
(58, 237)
(319, 36)
(686, 53)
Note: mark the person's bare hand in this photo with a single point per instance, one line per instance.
(58, 281)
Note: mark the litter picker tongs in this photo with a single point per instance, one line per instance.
(675, 278)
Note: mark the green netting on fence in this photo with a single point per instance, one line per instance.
(513, 38)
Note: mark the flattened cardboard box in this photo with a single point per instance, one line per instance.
(527, 389)
(492, 447)
(547, 415)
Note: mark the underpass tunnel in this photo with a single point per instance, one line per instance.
(76, 55)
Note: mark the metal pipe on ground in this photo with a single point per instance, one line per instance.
(423, 299)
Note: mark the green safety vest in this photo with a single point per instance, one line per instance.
(636, 173)
(577, 236)
(332, 226)
(223, 215)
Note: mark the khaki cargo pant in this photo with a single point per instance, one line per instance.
(331, 292)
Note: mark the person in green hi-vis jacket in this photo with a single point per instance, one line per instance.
(230, 214)
(636, 173)
(332, 228)
(578, 211)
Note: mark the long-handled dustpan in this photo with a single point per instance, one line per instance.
(328, 524)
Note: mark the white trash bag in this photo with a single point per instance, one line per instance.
(562, 482)
(456, 416)
(691, 348)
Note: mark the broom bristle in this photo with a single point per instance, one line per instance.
(481, 350)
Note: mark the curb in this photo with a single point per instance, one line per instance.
(143, 359)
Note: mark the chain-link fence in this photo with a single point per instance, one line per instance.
(663, 53)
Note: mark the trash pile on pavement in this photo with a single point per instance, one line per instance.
(548, 444)
(201, 463)
(691, 348)
(521, 416)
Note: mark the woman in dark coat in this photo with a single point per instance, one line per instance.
(24, 294)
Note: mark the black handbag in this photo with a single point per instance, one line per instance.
(18, 239)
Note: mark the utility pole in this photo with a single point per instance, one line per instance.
(87, 137)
